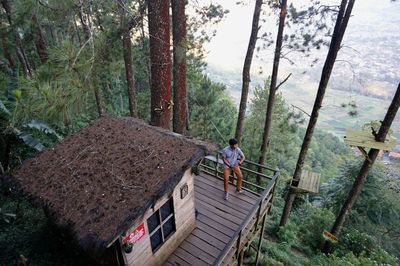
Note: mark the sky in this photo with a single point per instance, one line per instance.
(228, 48)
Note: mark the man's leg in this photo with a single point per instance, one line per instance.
(239, 176)
(227, 172)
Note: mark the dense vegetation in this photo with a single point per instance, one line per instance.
(58, 98)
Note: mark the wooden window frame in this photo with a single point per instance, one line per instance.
(160, 226)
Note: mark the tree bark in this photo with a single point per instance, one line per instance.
(97, 96)
(179, 68)
(161, 105)
(127, 49)
(7, 53)
(39, 40)
(85, 27)
(246, 70)
(338, 33)
(18, 44)
(272, 88)
(366, 167)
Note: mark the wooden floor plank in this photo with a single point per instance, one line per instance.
(222, 220)
(202, 196)
(177, 261)
(188, 257)
(219, 183)
(230, 210)
(203, 245)
(216, 195)
(220, 227)
(209, 238)
(214, 232)
(219, 186)
(222, 213)
(197, 253)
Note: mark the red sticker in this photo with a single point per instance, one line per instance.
(135, 235)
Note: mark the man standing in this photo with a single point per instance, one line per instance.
(230, 155)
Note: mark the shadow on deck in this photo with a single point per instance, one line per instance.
(224, 228)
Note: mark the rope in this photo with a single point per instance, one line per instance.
(219, 133)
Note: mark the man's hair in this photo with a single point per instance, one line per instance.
(233, 142)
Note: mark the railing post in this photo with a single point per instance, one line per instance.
(273, 190)
(238, 244)
(260, 241)
(258, 212)
(240, 260)
(216, 165)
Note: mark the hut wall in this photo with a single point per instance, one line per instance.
(185, 222)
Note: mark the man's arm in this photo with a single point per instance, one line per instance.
(242, 157)
(225, 161)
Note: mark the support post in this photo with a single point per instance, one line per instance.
(216, 165)
(240, 259)
(260, 241)
(238, 244)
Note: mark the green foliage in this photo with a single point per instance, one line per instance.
(283, 131)
(288, 234)
(312, 222)
(211, 111)
(378, 258)
(376, 210)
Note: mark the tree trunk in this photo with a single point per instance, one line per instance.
(39, 40)
(246, 70)
(161, 105)
(367, 165)
(272, 87)
(338, 33)
(7, 54)
(127, 49)
(98, 100)
(77, 32)
(18, 44)
(179, 68)
(85, 27)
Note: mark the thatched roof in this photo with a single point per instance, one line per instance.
(98, 181)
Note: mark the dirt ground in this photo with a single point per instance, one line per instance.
(99, 180)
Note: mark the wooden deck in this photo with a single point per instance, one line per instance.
(217, 221)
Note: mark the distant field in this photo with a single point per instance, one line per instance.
(333, 117)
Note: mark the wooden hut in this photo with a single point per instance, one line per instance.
(124, 189)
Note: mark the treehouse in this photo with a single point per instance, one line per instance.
(127, 194)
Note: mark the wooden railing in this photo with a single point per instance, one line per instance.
(263, 203)
(213, 165)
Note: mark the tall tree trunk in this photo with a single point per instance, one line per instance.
(97, 96)
(272, 87)
(179, 68)
(39, 40)
(127, 45)
(367, 165)
(77, 32)
(18, 44)
(7, 54)
(246, 70)
(338, 33)
(86, 30)
(161, 105)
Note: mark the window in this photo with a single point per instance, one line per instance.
(161, 225)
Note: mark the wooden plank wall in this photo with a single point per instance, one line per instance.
(184, 220)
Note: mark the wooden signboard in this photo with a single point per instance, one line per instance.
(364, 138)
(329, 237)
